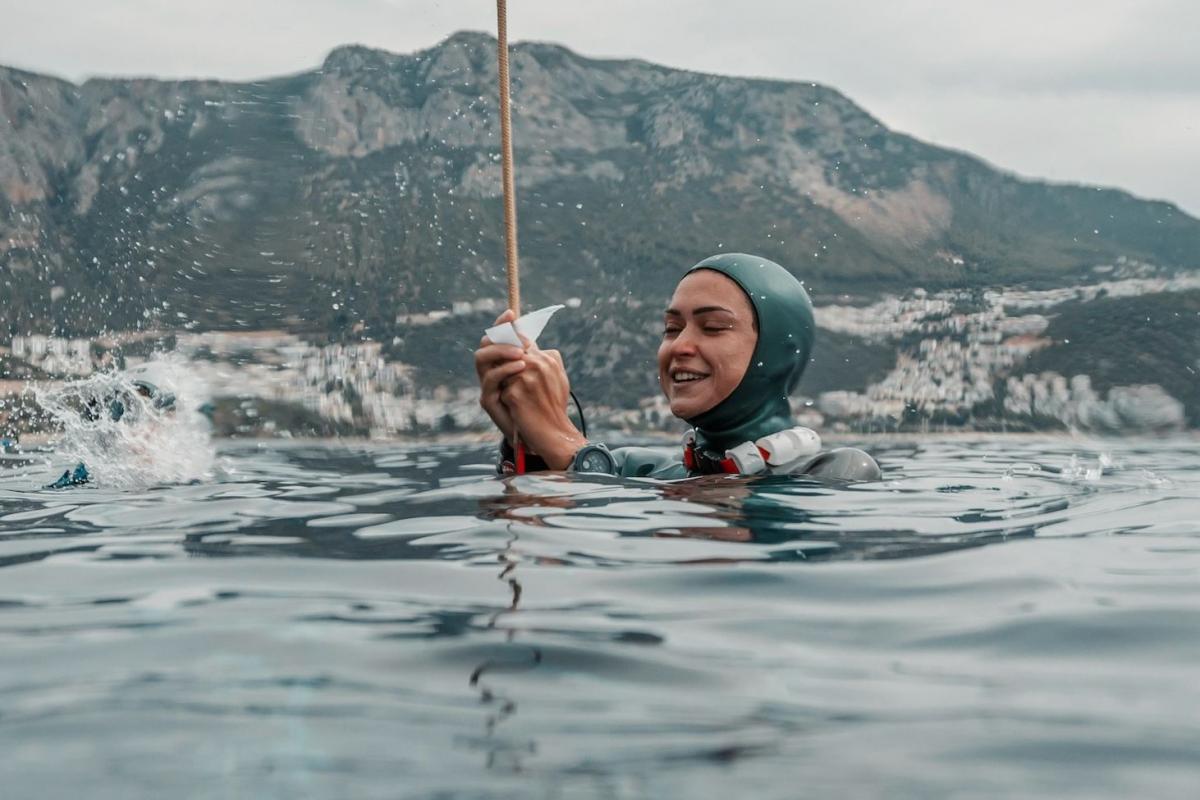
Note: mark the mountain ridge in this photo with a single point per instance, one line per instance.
(374, 179)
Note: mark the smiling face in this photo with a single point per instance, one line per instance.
(709, 334)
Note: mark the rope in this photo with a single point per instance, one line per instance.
(512, 267)
(506, 157)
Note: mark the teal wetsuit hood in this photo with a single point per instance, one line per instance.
(759, 405)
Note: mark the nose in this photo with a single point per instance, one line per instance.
(684, 344)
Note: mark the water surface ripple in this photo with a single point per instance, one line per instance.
(1000, 617)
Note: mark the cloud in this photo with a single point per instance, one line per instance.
(1101, 92)
(1144, 143)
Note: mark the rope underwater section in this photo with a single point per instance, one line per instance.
(506, 158)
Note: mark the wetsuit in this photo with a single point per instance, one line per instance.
(759, 406)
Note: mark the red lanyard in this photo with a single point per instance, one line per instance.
(695, 462)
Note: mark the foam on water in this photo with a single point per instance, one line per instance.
(147, 446)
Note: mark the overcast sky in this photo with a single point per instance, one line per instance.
(1103, 92)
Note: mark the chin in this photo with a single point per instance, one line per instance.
(686, 409)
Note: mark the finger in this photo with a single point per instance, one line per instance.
(513, 394)
(537, 367)
(501, 352)
(502, 372)
(497, 354)
(545, 361)
(494, 378)
(506, 316)
(495, 408)
(483, 361)
(526, 342)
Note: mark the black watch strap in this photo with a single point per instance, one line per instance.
(508, 460)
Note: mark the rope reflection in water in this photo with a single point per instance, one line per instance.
(501, 754)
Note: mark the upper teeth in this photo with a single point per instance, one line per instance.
(688, 376)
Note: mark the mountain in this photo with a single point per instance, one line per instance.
(331, 201)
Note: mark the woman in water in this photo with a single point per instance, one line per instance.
(736, 339)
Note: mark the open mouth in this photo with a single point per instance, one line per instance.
(683, 376)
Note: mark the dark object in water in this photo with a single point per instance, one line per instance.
(119, 402)
(76, 477)
(118, 405)
(162, 400)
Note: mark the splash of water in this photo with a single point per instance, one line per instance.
(143, 445)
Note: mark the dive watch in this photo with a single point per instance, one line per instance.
(594, 458)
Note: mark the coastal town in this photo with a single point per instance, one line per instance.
(961, 360)
(957, 363)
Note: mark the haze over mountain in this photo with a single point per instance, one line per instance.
(370, 188)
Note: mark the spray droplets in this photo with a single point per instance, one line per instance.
(127, 438)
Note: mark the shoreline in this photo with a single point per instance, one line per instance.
(621, 439)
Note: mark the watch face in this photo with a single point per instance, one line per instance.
(593, 459)
(594, 462)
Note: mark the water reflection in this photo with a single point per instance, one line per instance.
(313, 502)
(728, 512)
(313, 606)
(781, 519)
(499, 753)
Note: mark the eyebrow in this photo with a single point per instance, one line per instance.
(674, 312)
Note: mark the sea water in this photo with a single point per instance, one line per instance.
(999, 617)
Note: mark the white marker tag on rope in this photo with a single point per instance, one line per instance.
(528, 325)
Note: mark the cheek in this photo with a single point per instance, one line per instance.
(734, 361)
(664, 358)
(726, 379)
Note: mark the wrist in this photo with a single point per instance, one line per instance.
(562, 449)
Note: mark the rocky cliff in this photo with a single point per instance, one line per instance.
(336, 199)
